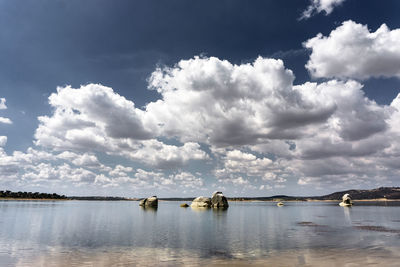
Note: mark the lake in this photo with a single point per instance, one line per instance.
(120, 233)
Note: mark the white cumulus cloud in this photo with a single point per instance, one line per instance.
(94, 118)
(212, 101)
(246, 126)
(353, 51)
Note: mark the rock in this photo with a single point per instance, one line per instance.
(152, 202)
(201, 202)
(149, 202)
(184, 205)
(218, 200)
(142, 202)
(346, 201)
(279, 204)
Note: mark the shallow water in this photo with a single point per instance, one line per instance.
(119, 233)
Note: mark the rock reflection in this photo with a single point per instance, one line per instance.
(347, 215)
(200, 209)
(220, 211)
(149, 209)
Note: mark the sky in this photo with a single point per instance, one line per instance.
(181, 98)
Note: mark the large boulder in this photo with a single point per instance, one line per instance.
(149, 202)
(142, 202)
(201, 202)
(346, 200)
(218, 200)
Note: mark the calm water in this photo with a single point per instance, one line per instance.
(104, 233)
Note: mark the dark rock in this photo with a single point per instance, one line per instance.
(218, 200)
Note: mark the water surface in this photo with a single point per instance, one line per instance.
(104, 233)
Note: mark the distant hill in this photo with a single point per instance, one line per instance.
(381, 192)
(377, 193)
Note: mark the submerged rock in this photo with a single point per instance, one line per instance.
(346, 201)
(184, 205)
(279, 204)
(201, 202)
(149, 202)
(218, 200)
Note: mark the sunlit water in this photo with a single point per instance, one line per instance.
(120, 233)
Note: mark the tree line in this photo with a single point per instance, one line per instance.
(33, 195)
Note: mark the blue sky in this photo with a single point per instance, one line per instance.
(182, 98)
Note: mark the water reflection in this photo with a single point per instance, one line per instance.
(149, 209)
(123, 231)
(200, 209)
(220, 213)
(347, 211)
(220, 210)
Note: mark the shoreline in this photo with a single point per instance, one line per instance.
(317, 200)
(31, 199)
(183, 200)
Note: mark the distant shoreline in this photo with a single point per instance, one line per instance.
(31, 199)
(381, 194)
(317, 200)
(162, 200)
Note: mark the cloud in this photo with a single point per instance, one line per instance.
(187, 180)
(3, 140)
(85, 160)
(212, 101)
(237, 161)
(40, 167)
(265, 187)
(45, 172)
(35, 168)
(356, 146)
(244, 168)
(97, 105)
(94, 118)
(3, 103)
(5, 120)
(3, 106)
(153, 180)
(120, 171)
(247, 127)
(318, 6)
(355, 117)
(344, 172)
(352, 51)
(165, 156)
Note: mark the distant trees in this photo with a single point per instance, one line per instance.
(35, 195)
